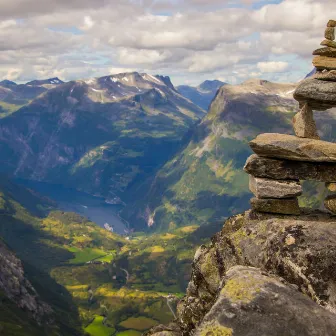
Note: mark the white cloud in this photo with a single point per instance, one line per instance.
(88, 22)
(198, 39)
(272, 66)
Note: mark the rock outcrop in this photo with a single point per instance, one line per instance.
(250, 303)
(290, 255)
(17, 288)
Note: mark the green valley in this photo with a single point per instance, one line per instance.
(94, 281)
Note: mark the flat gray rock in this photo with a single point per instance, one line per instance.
(290, 170)
(326, 51)
(328, 43)
(253, 303)
(267, 188)
(326, 75)
(289, 206)
(284, 146)
(319, 94)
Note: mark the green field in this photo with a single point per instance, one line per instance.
(96, 328)
(88, 254)
(138, 323)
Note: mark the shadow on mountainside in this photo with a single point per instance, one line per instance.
(39, 258)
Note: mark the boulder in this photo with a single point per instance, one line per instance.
(331, 23)
(300, 250)
(319, 94)
(329, 33)
(304, 123)
(327, 51)
(290, 147)
(290, 170)
(325, 75)
(330, 203)
(268, 188)
(328, 43)
(324, 62)
(289, 206)
(251, 302)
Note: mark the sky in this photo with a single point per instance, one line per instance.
(189, 40)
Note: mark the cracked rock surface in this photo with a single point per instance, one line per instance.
(289, 263)
(17, 288)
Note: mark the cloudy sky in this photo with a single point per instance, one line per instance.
(189, 40)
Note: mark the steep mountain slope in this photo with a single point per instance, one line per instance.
(205, 182)
(100, 135)
(21, 311)
(203, 94)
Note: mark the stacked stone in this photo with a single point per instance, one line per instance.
(282, 160)
(325, 60)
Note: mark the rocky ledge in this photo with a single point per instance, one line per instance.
(17, 288)
(263, 274)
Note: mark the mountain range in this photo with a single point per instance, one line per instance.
(100, 135)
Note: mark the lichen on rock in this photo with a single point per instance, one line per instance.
(266, 265)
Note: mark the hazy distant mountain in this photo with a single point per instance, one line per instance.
(203, 94)
(101, 135)
(6, 83)
(205, 182)
(13, 96)
(51, 81)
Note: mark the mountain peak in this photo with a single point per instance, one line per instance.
(211, 85)
(167, 81)
(54, 81)
(6, 82)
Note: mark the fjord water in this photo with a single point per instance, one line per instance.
(71, 200)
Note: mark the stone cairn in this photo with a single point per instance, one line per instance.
(281, 160)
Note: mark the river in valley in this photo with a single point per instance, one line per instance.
(94, 208)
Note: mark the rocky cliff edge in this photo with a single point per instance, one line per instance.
(263, 275)
(17, 288)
